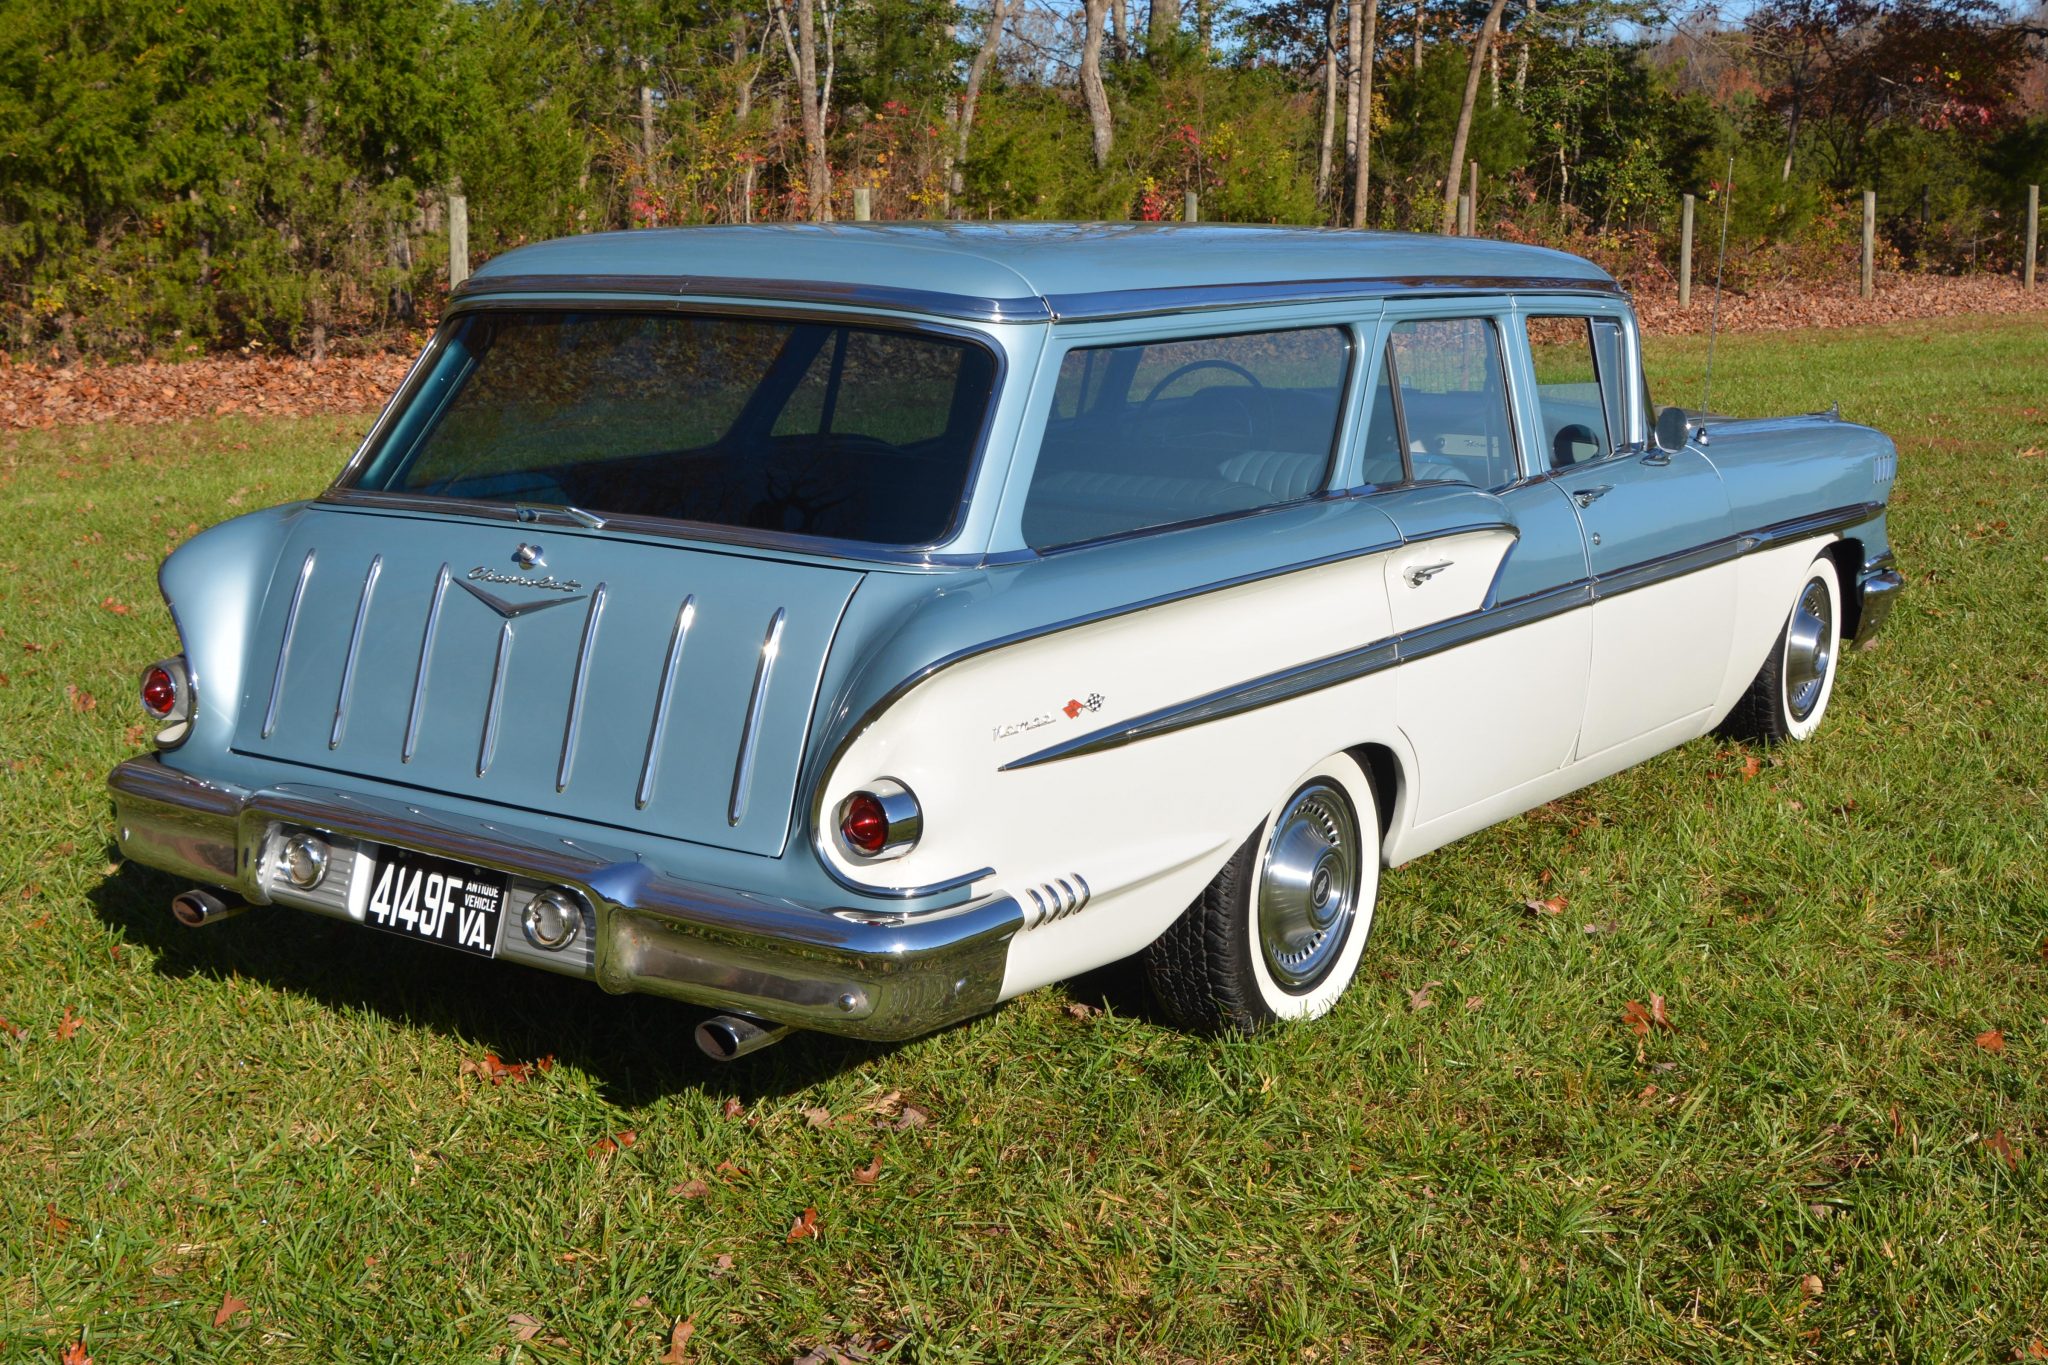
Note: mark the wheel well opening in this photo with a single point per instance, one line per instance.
(1383, 770)
(1847, 556)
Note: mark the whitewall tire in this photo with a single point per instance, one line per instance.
(1278, 933)
(1791, 691)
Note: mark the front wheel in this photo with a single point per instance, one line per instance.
(1791, 691)
(1278, 933)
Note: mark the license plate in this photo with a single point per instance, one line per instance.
(424, 897)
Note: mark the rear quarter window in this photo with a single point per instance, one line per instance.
(1159, 433)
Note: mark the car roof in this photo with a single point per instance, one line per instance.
(1031, 272)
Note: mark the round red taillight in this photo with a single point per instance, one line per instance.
(159, 691)
(864, 824)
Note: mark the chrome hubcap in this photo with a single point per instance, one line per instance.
(1308, 887)
(1808, 650)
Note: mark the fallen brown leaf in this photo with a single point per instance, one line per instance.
(819, 1117)
(1991, 1040)
(81, 700)
(503, 1073)
(74, 1354)
(55, 1223)
(604, 1147)
(1811, 1286)
(1641, 1020)
(1080, 1009)
(870, 1173)
(229, 1306)
(1553, 906)
(67, 1027)
(913, 1116)
(10, 1030)
(690, 1189)
(1474, 1003)
(1420, 999)
(525, 1327)
(733, 1107)
(728, 1171)
(721, 1266)
(806, 1225)
(1751, 766)
(1999, 1144)
(679, 1342)
(117, 608)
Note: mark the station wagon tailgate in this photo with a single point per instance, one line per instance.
(646, 686)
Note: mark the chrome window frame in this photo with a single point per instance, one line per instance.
(936, 553)
(1442, 310)
(1529, 403)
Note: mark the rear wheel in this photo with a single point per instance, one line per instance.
(1278, 934)
(1791, 691)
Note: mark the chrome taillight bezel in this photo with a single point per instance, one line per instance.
(901, 813)
(174, 725)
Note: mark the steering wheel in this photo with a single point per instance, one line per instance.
(1253, 422)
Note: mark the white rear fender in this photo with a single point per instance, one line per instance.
(1131, 756)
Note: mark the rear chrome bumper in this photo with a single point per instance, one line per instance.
(866, 974)
(1877, 591)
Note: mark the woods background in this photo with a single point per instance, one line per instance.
(273, 174)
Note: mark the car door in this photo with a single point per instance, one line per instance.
(1495, 640)
(1657, 533)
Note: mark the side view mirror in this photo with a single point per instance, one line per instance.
(1675, 429)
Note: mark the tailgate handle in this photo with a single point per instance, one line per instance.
(1422, 573)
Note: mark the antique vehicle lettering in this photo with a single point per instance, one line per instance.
(1374, 540)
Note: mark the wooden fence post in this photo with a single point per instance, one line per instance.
(1464, 215)
(2033, 230)
(863, 203)
(1685, 253)
(458, 238)
(1191, 208)
(1870, 244)
(1472, 195)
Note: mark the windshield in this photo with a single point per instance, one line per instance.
(809, 428)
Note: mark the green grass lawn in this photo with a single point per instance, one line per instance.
(1819, 1159)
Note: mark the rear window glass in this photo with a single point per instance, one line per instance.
(808, 428)
(1173, 431)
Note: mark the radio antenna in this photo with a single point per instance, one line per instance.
(1714, 323)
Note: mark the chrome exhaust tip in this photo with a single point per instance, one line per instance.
(199, 907)
(728, 1037)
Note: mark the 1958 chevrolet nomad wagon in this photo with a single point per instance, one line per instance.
(851, 628)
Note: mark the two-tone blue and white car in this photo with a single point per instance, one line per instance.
(850, 628)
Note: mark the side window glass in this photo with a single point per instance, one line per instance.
(1451, 400)
(1383, 464)
(1607, 340)
(1571, 391)
(1171, 431)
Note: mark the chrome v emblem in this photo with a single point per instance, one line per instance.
(511, 609)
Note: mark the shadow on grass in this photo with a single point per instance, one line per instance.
(637, 1048)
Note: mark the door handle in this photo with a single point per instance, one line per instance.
(1422, 573)
(1586, 497)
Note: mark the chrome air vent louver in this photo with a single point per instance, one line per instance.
(1055, 900)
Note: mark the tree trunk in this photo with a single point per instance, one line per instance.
(1416, 50)
(1791, 138)
(803, 56)
(1120, 30)
(984, 57)
(1464, 133)
(1523, 36)
(1161, 23)
(1096, 13)
(1351, 41)
(1323, 153)
(1362, 61)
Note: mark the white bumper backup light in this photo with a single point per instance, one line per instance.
(551, 920)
